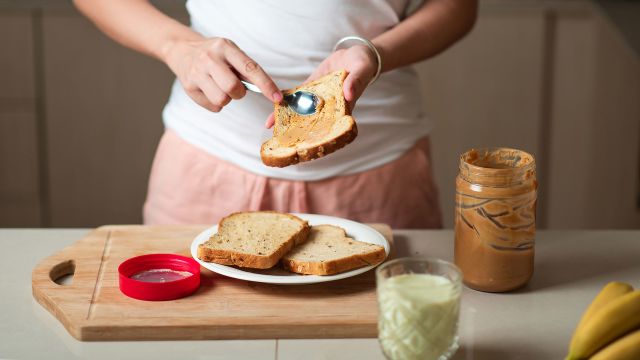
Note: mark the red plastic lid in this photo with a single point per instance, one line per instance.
(157, 277)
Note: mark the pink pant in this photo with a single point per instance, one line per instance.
(190, 186)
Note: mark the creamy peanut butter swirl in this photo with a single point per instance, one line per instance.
(495, 218)
(502, 223)
(310, 128)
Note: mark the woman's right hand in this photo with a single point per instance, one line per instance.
(209, 71)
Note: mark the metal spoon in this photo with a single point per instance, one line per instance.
(302, 102)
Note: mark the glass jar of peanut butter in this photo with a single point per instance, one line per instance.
(495, 218)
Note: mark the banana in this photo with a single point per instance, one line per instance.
(609, 322)
(625, 348)
(609, 292)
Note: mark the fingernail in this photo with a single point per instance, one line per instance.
(277, 96)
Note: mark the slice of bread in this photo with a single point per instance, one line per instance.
(299, 138)
(329, 251)
(254, 239)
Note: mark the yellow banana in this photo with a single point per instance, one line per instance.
(625, 348)
(609, 292)
(614, 319)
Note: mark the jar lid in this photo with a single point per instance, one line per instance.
(498, 166)
(158, 277)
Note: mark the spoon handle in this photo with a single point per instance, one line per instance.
(249, 86)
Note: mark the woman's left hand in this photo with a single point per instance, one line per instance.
(361, 64)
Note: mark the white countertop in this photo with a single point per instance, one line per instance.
(535, 322)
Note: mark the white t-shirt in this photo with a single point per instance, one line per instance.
(289, 39)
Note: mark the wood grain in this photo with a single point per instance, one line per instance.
(93, 308)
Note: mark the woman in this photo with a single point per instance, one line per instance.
(208, 162)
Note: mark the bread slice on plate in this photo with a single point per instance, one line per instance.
(254, 239)
(329, 251)
(299, 138)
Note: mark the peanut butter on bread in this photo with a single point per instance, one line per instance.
(298, 138)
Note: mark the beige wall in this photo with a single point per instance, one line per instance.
(555, 79)
(103, 118)
(20, 202)
(80, 116)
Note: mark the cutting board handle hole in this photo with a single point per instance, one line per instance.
(62, 273)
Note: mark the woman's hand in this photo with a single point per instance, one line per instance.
(361, 64)
(210, 70)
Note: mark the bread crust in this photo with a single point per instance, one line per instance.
(374, 256)
(335, 266)
(315, 152)
(236, 258)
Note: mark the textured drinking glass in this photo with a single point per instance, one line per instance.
(418, 308)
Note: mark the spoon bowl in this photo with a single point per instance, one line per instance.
(302, 102)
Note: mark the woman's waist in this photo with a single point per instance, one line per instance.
(374, 146)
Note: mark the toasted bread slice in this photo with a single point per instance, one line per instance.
(254, 239)
(299, 138)
(329, 251)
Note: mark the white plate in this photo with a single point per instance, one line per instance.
(277, 275)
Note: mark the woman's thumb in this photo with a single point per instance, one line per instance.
(353, 86)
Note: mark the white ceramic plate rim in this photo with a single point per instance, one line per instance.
(354, 229)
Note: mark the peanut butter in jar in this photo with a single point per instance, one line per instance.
(495, 219)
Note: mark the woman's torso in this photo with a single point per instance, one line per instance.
(289, 39)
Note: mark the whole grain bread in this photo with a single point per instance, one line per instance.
(254, 239)
(329, 251)
(299, 138)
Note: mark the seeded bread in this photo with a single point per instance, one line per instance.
(254, 239)
(299, 138)
(329, 251)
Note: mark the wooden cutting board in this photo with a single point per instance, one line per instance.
(92, 307)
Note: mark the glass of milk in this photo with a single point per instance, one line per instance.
(419, 306)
